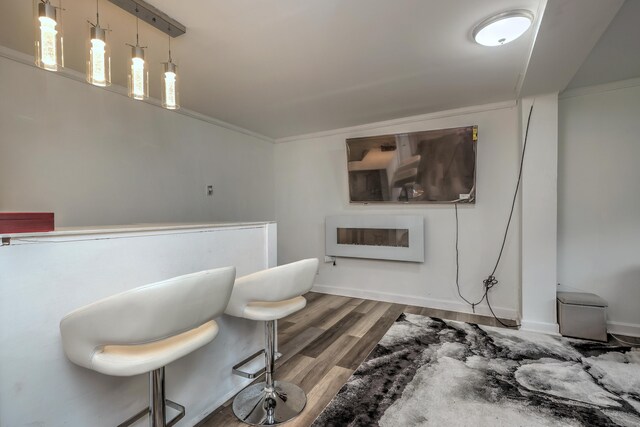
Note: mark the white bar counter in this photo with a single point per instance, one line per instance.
(43, 276)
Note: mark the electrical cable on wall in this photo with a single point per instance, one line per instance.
(491, 280)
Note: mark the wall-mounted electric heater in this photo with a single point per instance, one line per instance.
(388, 237)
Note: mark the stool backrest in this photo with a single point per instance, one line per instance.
(146, 314)
(275, 284)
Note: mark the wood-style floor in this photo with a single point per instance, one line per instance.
(325, 342)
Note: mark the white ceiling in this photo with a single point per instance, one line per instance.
(568, 32)
(290, 67)
(616, 56)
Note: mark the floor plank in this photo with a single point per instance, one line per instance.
(320, 396)
(324, 341)
(461, 317)
(412, 309)
(297, 343)
(369, 319)
(299, 364)
(337, 315)
(327, 360)
(363, 347)
(366, 306)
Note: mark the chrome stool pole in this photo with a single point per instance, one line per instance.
(269, 402)
(157, 410)
(157, 417)
(269, 353)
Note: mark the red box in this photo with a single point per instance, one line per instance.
(26, 222)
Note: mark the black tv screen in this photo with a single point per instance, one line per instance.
(434, 166)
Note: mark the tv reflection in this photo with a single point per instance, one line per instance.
(435, 166)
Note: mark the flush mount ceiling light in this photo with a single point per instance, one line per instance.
(503, 28)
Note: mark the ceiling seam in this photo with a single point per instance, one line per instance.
(542, 7)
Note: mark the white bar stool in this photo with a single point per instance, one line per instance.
(270, 295)
(144, 329)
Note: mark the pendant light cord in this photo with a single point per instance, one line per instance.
(97, 13)
(137, 33)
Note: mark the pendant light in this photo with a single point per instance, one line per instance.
(138, 71)
(49, 41)
(170, 95)
(99, 61)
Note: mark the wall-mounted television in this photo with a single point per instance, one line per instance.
(434, 166)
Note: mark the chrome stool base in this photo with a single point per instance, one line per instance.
(256, 406)
(145, 412)
(251, 375)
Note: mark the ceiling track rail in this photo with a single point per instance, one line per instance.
(152, 16)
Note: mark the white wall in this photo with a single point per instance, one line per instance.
(311, 182)
(95, 157)
(539, 214)
(598, 202)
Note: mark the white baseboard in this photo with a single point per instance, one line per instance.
(542, 327)
(628, 329)
(505, 313)
(619, 328)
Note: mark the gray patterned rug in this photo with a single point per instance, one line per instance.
(432, 372)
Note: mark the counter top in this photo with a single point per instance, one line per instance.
(132, 228)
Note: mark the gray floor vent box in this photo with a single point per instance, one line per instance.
(582, 315)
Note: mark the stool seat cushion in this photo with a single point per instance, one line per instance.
(273, 293)
(128, 360)
(263, 310)
(145, 328)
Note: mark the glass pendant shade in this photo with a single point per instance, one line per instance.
(170, 94)
(138, 74)
(49, 40)
(99, 59)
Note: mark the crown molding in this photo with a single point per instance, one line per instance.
(401, 121)
(605, 87)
